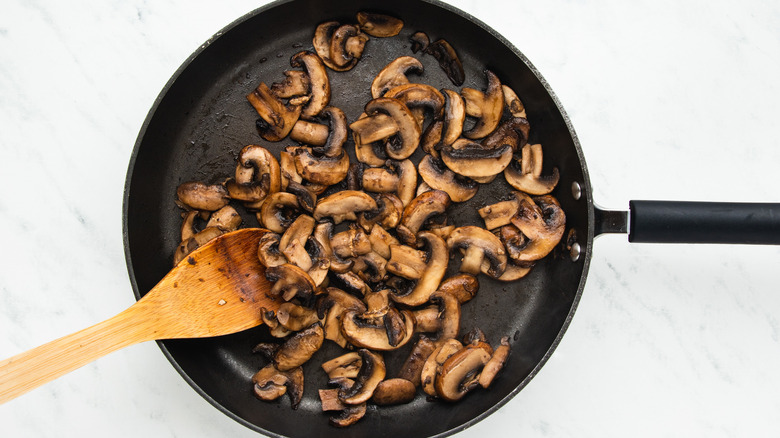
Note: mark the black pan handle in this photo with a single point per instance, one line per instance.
(704, 222)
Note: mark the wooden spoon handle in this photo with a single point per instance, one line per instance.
(33, 368)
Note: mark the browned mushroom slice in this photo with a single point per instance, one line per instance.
(344, 205)
(279, 211)
(274, 328)
(436, 174)
(371, 373)
(270, 384)
(321, 170)
(462, 286)
(454, 117)
(295, 317)
(442, 318)
(276, 119)
(474, 161)
(422, 208)
(321, 41)
(372, 332)
(309, 133)
(433, 274)
(432, 365)
(320, 259)
(513, 132)
(295, 84)
(201, 196)
(486, 106)
(381, 241)
(347, 365)
(478, 245)
(499, 214)
(420, 41)
(368, 132)
(331, 306)
(404, 142)
(387, 215)
(298, 349)
(412, 366)
(189, 220)
(349, 414)
(394, 74)
(543, 221)
(406, 262)
(529, 177)
(268, 250)
(350, 243)
(448, 60)
(257, 166)
(289, 281)
(419, 96)
(379, 25)
(495, 364)
(293, 241)
(353, 282)
(226, 219)
(346, 46)
(513, 103)
(459, 374)
(319, 84)
(399, 177)
(394, 392)
(371, 267)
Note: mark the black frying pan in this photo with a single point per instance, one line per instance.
(201, 120)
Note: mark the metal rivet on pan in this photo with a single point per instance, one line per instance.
(576, 190)
(575, 252)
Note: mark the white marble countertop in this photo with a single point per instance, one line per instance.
(670, 99)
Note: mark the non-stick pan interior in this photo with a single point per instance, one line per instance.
(201, 121)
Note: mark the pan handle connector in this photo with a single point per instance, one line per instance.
(704, 222)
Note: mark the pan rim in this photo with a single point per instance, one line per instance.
(585, 186)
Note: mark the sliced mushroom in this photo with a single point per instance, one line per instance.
(257, 176)
(419, 96)
(279, 211)
(399, 177)
(420, 41)
(381, 241)
(432, 365)
(270, 384)
(274, 328)
(413, 365)
(379, 25)
(529, 177)
(331, 307)
(295, 317)
(394, 392)
(321, 42)
(472, 160)
(499, 214)
(226, 219)
(268, 250)
(404, 142)
(200, 196)
(289, 281)
(349, 414)
(387, 215)
(371, 373)
(419, 211)
(434, 172)
(448, 60)
(478, 245)
(454, 117)
(350, 243)
(295, 84)
(322, 234)
(321, 170)
(512, 102)
(495, 364)
(196, 241)
(462, 286)
(543, 221)
(347, 365)
(298, 349)
(346, 46)
(486, 106)
(188, 222)
(459, 374)
(442, 318)
(513, 132)
(433, 274)
(371, 267)
(353, 282)
(319, 84)
(344, 205)
(406, 262)
(394, 74)
(293, 241)
(276, 119)
(372, 333)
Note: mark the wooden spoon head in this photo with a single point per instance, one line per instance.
(219, 289)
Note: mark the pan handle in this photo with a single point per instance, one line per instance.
(704, 222)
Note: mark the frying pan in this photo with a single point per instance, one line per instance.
(201, 120)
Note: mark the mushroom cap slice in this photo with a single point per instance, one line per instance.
(270, 384)
(268, 250)
(371, 373)
(276, 119)
(298, 349)
(394, 392)
(472, 160)
(432, 365)
(346, 46)
(344, 205)
(321, 41)
(454, 117)
(460, 372)
(435, 173)
(543, 221)
(338, 132)
(289, 281)
(379, 25)
(419, 96)
(528, 178)
(462, 286)
(367, 333)
(420, 210)
(478, 245)
(433, 274)
(394, 74)
(318, 80)
(513, 103)
(499, 214)
(420, 41)
(514, 132)
(405, 141)
(347, 365)
(412, 366)
(321, 170)
(201, 196)
(295, 317)
(278, 212)
(487, 106)
(387, 215)
(448, 60)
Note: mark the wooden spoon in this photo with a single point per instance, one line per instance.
(217, 290)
